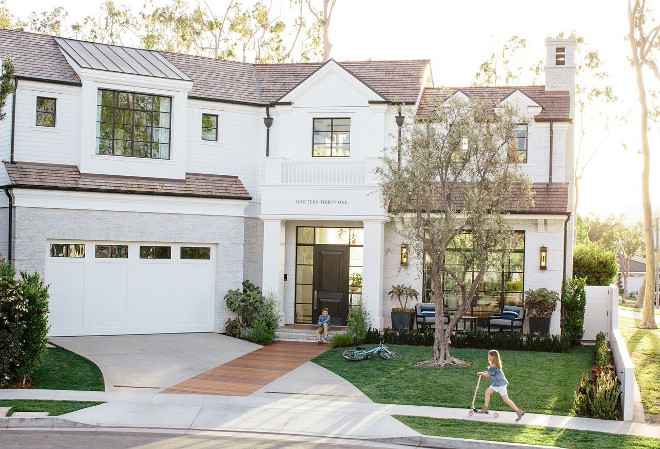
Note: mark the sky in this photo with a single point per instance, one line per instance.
(458, 35)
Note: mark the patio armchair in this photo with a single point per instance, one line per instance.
(425, 315)
(512, 318)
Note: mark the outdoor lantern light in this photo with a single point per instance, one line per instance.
(399, 120)
(404, 254)
(544, 258)
(268, 122)
(399, 123)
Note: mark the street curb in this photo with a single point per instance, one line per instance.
(455, 443)
(45, 422)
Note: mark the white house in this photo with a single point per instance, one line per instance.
(143, 185)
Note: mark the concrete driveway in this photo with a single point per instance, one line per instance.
(152, 363)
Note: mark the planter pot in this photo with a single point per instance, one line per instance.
(403, 320)
(539, 325)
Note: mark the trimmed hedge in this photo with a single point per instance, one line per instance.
(573, 305)
(475, 340)
(595, 264)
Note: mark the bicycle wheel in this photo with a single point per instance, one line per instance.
(354, 356)
(390, 355)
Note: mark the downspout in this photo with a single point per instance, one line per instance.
(550, 162)
(563, 276)
(13, 120)
(10, 242)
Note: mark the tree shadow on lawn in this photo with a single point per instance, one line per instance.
(539, 382)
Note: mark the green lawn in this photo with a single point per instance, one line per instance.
(65, 370)
(629, 306)
(644, 348)
(570, 439)
(539, 382)
(54, 408)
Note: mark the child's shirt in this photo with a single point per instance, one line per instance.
(497, 378)
(324, 319)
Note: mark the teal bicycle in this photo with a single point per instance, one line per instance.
(355, 355)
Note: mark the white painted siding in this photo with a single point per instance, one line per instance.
(58, 145)
(239, 150)
(5, 130)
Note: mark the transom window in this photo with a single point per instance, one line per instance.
(332, 137)
(210, 127)
(133, 124)
(46, 112)
(520, 133)
(196, 252)
(111, 251)
(155, 252)
(76, 250)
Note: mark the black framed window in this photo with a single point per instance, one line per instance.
(46, 112)
(196, 252)
(155, 252)
(332, 137)
(111, 251)
(76, 250)
(133, 124)
(560, 56)
(501, 285)
(520, 133)
(210, 127)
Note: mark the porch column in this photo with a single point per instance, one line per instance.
(273, 261)
(372, 277)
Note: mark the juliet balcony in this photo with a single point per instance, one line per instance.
(321, 172)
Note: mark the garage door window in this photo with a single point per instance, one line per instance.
(155, 252)
(111, 251)
(196, 252)
(67, 250)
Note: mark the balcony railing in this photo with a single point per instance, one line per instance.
(283, 171)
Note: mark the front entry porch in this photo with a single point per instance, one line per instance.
(304, 332)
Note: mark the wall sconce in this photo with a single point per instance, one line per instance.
(268, 122)
(404, 254)
(544, 258)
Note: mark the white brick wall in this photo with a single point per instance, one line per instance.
(253, 250)
(35, 226)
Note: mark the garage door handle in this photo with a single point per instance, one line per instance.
(316, 298)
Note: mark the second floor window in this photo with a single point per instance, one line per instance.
(332, 137)
(46, 112)
(133, 125)
(520, 133)
(210, 127)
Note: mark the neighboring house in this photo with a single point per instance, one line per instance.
(143, 185)
(636, 273)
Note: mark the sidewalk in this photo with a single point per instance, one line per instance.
(283, 415)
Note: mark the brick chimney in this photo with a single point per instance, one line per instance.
(560, 67)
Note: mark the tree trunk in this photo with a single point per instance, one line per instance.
(625, 285)
(640, 294)
(648, 318)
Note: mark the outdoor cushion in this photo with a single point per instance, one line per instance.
(503, 322)
(510, 310)
(509, 315)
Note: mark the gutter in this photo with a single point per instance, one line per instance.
(13, 121)
(49, 81)
(10, 242)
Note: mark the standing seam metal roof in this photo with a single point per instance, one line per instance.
(113, 58)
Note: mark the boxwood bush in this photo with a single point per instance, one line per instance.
(595, 264)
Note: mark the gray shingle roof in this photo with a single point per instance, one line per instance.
(555, 105)
(66, 177)
(36, 56)
(114, 58)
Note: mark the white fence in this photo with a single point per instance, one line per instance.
(602, 315)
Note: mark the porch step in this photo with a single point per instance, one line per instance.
(304, 334)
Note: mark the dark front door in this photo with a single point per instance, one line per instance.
(331, 282)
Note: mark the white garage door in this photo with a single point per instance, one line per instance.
(102, 288)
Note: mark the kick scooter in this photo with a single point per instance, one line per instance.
(473, 409)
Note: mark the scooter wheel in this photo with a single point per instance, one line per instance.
(470, 413)
(496, 415)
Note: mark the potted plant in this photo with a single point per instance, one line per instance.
(356, 282)
(402, 316)
(540, 305)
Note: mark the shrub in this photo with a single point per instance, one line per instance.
(246, 302)
(541, 302)
(233, 327)
(598, 397)
(573, 305)
(340, 341)
(23, 324)
(359, 323)
(595, 264)
(268, 312)
(601, 351)
(258, 333)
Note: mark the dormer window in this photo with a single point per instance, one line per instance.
(46, 112)
(520, 133)
(332, 137)
(133, 124)
(560, 56)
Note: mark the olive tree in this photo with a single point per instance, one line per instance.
(457, 179)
